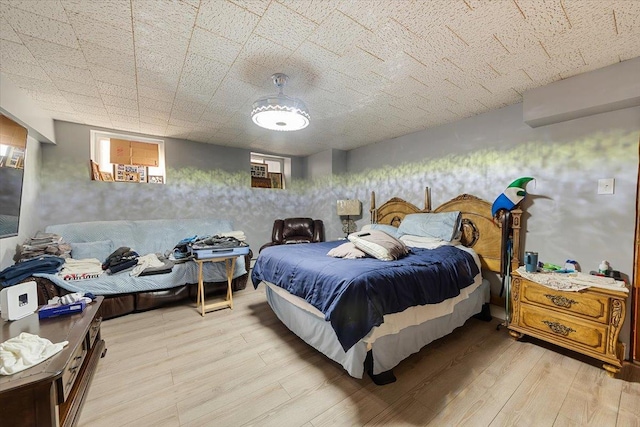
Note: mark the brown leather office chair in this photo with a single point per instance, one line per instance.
(296, 230)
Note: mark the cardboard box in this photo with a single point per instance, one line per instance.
(120, 152)
(144, 154)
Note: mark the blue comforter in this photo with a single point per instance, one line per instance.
(355, 294)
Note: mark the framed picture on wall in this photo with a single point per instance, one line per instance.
(259, 170)
(106, 176)
(95, 171)
(126, 173)
(276, 179)
(156, 179)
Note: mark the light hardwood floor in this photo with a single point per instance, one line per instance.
(172, 367)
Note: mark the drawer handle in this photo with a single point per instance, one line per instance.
(558, 328)
(561, 301)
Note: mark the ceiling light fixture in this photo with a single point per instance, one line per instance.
(280, 112)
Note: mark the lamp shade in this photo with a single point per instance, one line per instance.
(349, 207)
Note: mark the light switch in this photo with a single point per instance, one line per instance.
(605, 186)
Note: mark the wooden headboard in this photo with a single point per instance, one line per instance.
(480, 230)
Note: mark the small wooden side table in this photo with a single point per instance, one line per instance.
(230, 265)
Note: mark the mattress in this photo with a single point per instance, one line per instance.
(401, 334)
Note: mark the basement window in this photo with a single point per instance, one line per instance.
(125, 158)
(269, 171)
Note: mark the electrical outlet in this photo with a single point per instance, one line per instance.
(605, 186)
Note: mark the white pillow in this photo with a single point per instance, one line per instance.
(379, 244)
(441, 225)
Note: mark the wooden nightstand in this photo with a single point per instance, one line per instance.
(588, 321)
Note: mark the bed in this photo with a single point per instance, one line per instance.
(333, 306)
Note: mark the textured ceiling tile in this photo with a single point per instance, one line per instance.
(154, 104)
(87, 109)
(77, 99)
(338, 33)
(88, 89)
(256, 6)
(50, 8)
(547, 19)
(192, 3)
(57, 107)
(117, 101)
(112, 76)
(154, 116)
(66, 72)
(315, 10)
(157, 80)
(213, 46)
(113, 12)
(150, 38)
(183, 119)
(206, 67)
(171, 16)
(101, 34)
(152, 130)
(25, 69)
(7, 33)
(10, 51)
(627, 17)
(32, 84)
(159, 94)
(101, 119)
(158, 63)
(193, 108)
(117, 113)
(52, 98)
(264, 52)
(372, 13)
(284, 26)
(111, 89)
(54, 52)
(227, 19)
(122, 61)
(41, 27)
(196, 86)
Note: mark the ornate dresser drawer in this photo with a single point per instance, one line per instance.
(588, 321)
(593, 306)
(557, 325)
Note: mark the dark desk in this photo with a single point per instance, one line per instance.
(52, 393)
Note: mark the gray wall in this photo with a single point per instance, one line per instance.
(202, 181)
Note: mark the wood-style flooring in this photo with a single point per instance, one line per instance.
(172, 367)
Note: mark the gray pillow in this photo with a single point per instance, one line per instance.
(379, 244)
(99, 249)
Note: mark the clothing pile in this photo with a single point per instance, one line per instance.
(230, 239)
(44, 244)
(121, 259)
(16, 273)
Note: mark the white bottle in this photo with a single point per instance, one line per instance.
(603, 268)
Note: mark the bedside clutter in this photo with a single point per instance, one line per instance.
(124, 293)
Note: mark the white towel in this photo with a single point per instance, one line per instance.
(25, 351)
(144, 262)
